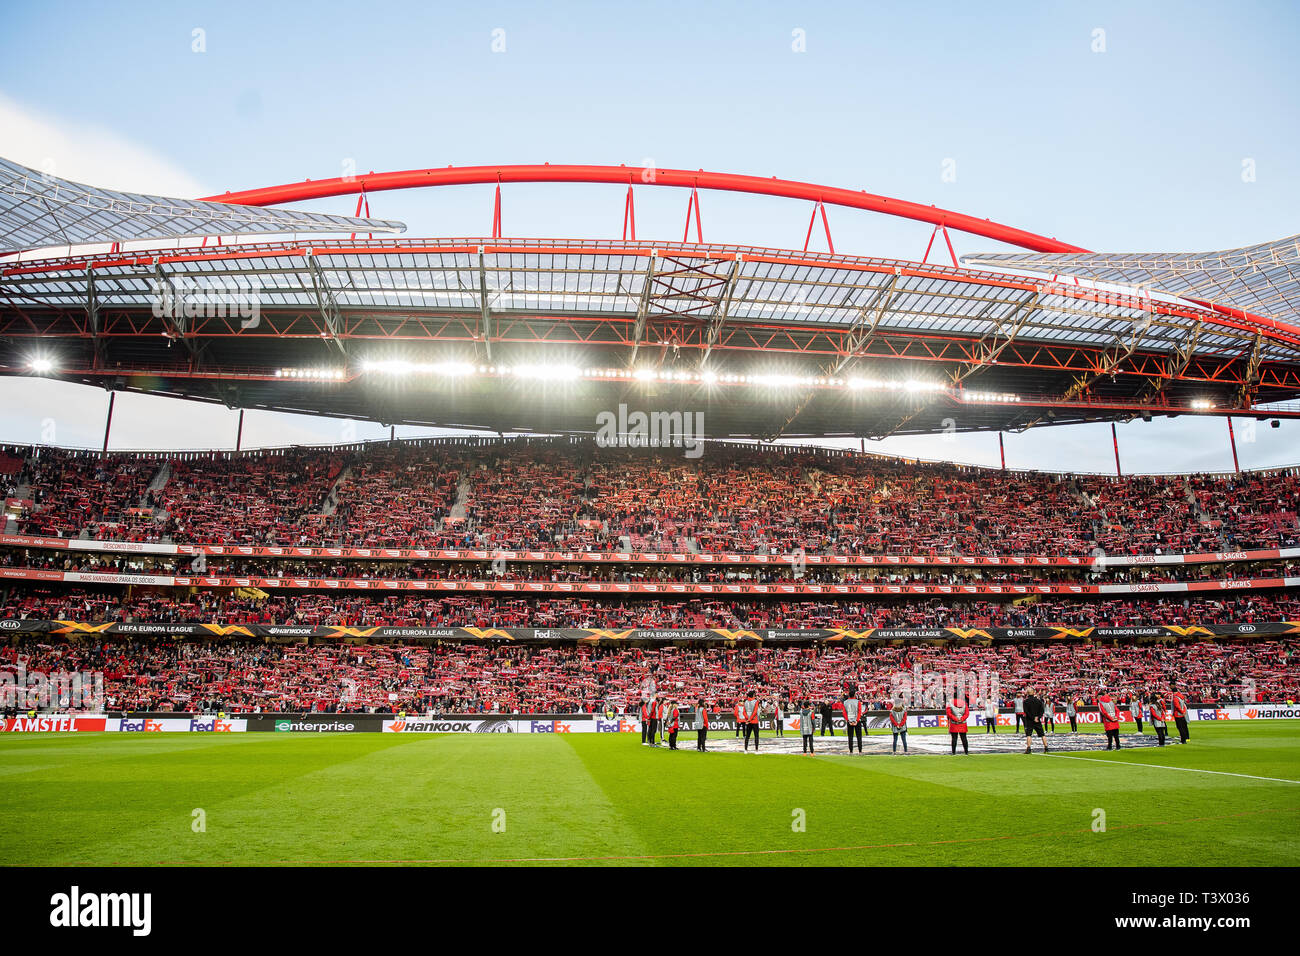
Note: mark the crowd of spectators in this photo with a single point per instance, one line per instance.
(469, 678)
(362, 609)
(576, 497)
(70, 493)
(571, 496)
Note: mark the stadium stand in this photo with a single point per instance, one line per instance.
(575, 496)
(207, 520)
(460, 678)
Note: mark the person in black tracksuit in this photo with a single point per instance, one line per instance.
(828, 718)
(1034, 710)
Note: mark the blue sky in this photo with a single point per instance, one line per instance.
(1139, 147)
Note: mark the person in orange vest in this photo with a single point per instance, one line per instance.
(1109, 711)
(701, 725)
(740, 715)
(645, 723)
(749, 715)
(672, 720)
(958, 714)
(1159, 717)
(1180, 714)
(853, 719)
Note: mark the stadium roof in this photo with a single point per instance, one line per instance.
(38, 211)
(543, 334)
(1263, 278)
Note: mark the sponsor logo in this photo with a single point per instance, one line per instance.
(615, 726)
(145, 725)
(427, 725)
(551, 727)
(212, 725)
(1272, 713)
(317, 726)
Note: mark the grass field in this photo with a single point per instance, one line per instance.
(109, 799)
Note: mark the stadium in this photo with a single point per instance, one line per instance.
(632, 534)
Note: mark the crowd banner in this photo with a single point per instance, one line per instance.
(640, 557)
(606, 636)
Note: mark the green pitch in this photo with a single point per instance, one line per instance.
(105, 799)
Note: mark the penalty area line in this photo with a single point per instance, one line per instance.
(1161, 766)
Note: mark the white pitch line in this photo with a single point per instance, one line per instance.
(1160, 766)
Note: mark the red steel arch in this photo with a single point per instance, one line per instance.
(648, 176)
